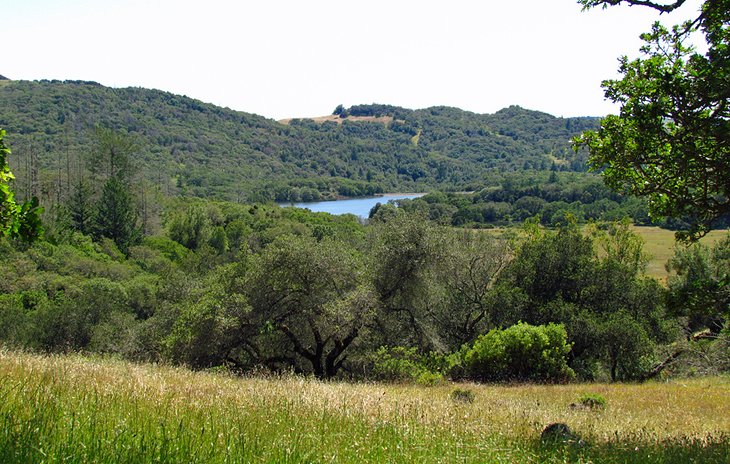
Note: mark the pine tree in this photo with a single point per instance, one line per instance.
(80, 208)
(116, 217)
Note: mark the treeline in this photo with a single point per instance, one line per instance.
(511, 199)
(246, 287)
(187, 147)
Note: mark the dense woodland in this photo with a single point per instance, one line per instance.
(141, 259)
(188, 147)
(257, 286)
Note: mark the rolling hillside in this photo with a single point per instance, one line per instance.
(194, 148)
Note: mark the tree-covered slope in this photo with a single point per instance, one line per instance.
(187, 146)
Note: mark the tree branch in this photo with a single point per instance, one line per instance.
(662, 365)
(298, 347)
(662, 8)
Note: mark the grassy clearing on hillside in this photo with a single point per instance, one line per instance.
(385, 120)
(71, 409)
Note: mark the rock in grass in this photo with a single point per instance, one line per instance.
(557, 433)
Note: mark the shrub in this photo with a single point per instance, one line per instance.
(520, 352)
(399, 364)
(170, 249)
(592, 401)
(462, 396)
(14, 325)
(427, 378)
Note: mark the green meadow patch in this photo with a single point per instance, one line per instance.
(660, 243)
(74, 409)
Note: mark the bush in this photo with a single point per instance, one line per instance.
(14, 325)
(462, 396)
(402, 364)
(428, 378)
(592, 401)
(396, 364)
(520, 352)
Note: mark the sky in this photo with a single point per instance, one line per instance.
(295, 58)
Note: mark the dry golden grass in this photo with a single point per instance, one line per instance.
(385, 120)
(660, 243)
(77, 400)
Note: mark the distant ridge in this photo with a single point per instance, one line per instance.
(193, 148)
(3, 78)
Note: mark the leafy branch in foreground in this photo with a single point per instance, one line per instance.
(664, 7)
(671, 140)
(16, 221)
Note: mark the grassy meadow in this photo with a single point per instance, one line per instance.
(75, 409)
(659, 243)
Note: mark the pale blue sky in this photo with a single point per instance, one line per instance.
(294, 58)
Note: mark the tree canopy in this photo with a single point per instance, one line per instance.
(671, 139)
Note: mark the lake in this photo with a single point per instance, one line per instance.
(357, 206)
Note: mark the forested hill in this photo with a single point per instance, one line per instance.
(194, 148)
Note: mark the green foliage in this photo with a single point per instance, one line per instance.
(190, 228)
(112, 154)
(116, 216)
(14, 321)
(592, 401)
(77, 296)
(670, 140)
(16, 220)
(290, 290)
(398, 364)
(81, 208)
(468, 269)
(314, 294)
(197, 149)
(520, 352)
(626, 346)
(171, 249)
(401, 250)
(612, 313)
(404, 364)
(340, 111)
(401, 254)
(553, 266)
(209, 331)
(219, 240)
(701, 287)
(511, 198)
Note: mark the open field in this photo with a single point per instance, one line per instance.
(659, 243)
(72, 409)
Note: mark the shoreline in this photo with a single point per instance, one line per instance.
(341, 198)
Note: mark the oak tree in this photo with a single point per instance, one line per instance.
(671, 138)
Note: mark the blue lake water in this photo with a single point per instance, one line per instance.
(357, 206)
